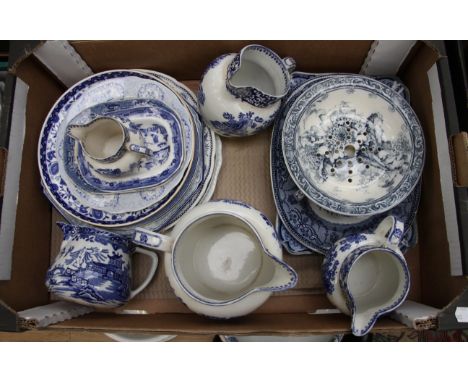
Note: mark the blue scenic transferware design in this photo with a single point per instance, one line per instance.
(226, 113)
(92, 267)
(63, 192)
(250, 94)
(165, 142)
(310, 230)
(319, 156)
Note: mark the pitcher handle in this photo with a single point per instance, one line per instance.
(290, 64)
(139, 149)
(390, 230)
(152, 271)
(152, 240)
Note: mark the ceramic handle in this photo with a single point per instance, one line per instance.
(391, 230)
(290, 64)
(152, 240)
(152, 271)
(139, 149)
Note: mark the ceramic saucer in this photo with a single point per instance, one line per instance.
(140, 337)
(162, 134)
(353, 145)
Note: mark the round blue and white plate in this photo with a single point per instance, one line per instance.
(161, 131)
(307, 227)
(353, 145)
(102, 209)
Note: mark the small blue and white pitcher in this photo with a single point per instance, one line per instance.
(240, 94)
(366, 275)
(110, 147)
(93, 267)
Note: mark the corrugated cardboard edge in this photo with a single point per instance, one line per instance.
(416, 316)
(395, 53)
(43, 316)
(459, 158)
(8, 319)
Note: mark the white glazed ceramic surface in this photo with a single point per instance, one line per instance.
(365, 275)
(78, 203)
(353, 145)
(222, 111)
(139, 337)
(222, 259)
(93, 267)
(161, 135)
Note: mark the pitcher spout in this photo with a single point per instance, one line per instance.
(283, 276)
(78, 132)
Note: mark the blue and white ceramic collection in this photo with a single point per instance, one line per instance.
(93, 267)
(241, 93)
(126, 155)
(313, 227)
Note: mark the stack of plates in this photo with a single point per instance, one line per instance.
(152, 196)
(346, 151)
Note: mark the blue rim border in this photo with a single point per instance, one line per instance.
(53, 119)
(295, 112)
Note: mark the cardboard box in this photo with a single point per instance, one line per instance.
(45, 73)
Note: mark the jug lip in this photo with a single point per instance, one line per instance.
(211, 302)
(350, 301)
(108, 158)
(286, 75)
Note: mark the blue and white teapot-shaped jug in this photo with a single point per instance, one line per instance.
(240, 93)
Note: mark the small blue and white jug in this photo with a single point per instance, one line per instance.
(366, 275)
(240, 94)
(93, 267)
(110, 147)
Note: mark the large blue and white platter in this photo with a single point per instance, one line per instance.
(108, 209)
(305, 227)
(353, 145)
(162, 133)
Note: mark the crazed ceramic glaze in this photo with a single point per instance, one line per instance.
(307, 226)
(366, 276)
(93, 267)
(222, 259)
(353, 145)
(240, 94)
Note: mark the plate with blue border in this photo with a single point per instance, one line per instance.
(306, 227)
(353, 145)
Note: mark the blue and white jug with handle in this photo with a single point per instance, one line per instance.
(240, 93)
(222, 258)
(366, 275)
(109, 146)
(93, 267)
